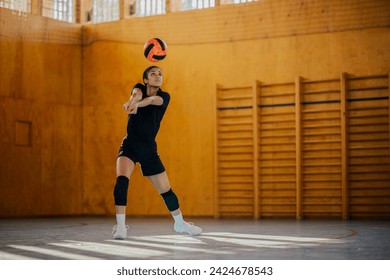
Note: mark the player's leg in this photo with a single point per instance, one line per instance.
(124, 169)
(161, 183)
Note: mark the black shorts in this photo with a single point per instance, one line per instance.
(145, 153)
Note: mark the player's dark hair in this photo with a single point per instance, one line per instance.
(146, 72)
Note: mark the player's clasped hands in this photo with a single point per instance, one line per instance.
(130, 107)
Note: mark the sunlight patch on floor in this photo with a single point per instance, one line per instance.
(155, 246)
(53, 253)
(109, 249)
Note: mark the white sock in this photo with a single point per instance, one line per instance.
(121, 219)
(178, 219)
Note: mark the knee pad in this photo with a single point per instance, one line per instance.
(120, 190)
(170, 200)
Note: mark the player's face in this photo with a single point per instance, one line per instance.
(155, 77)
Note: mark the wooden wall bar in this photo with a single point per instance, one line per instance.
(368, 146)
(344, 148)
(236, 154)
(322, 149)
(298, 146)
(277, 150)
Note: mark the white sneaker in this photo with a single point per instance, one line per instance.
(120, 231)
(189, 228)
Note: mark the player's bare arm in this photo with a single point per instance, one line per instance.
(151, 100)
(135, 97)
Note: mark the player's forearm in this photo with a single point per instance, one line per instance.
(136, 96)
(151, 100)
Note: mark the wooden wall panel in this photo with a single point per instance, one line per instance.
(43, 177)
(61, 191)
(40, 118)
(20, 186)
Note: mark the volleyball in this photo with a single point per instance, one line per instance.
(155, 49)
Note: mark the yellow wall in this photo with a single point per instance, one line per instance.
(40, 126)
(192, 69)
(229, 45)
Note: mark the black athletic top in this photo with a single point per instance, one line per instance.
(144, 125)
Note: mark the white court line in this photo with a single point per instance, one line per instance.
(272, 237)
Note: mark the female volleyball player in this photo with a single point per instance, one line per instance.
(145, 108)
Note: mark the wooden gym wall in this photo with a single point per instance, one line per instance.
(40, 117)
(304, 149)
(267, 41)
(63, 86)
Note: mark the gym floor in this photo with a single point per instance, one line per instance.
(89, 238)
